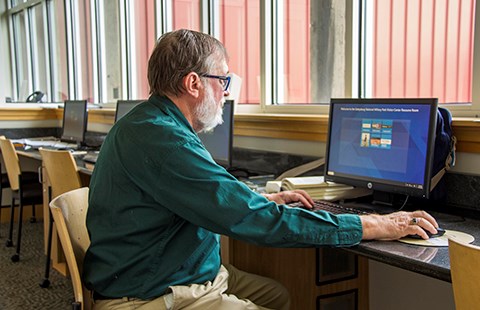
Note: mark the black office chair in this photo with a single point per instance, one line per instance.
(26, 189)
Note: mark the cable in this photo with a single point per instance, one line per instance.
(404, 203)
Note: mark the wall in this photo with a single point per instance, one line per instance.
(397, 289)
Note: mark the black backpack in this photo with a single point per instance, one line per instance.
(444, 154)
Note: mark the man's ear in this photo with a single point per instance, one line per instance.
(193, 84)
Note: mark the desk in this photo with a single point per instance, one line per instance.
(430, 261)
(299, 269)
(58, 259)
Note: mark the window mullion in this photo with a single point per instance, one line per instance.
(98, 49)
(125, 43)
(13, 57)
(32, 44)
(266, 61)
(167, 15)
(131, 50)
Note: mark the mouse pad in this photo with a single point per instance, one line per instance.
(441, 241)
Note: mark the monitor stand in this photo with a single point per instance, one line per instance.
(379, 202)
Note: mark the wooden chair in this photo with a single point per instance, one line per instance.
(465, 271)
(69, 211)
(4, 183)
(63, 177)
(26, 189)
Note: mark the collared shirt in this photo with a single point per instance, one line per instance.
(158, 203)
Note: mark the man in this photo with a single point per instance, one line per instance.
(158, 200)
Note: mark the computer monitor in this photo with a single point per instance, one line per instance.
(219, 141)
(385, 145)
(124, 106)
(74, 121)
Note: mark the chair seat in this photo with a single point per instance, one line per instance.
(30, 177)
(32, 193)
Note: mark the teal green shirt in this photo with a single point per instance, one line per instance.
(158, 203)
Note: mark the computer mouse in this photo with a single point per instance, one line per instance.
(440, 232)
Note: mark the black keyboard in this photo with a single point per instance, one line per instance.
(90, 158)
(331, 207)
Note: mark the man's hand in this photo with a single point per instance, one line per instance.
(291, 196)
(397, 225)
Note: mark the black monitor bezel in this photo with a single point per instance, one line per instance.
(382, 185)
(120, 102)
(227, 163)
(78, 140)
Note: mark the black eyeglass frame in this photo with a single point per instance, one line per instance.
(224, 78)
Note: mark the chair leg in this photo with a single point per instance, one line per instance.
(76, 305)
(46, 282)
(1, 201)
(16, 257)
(1, 205)
(33, 219)
(9, 242)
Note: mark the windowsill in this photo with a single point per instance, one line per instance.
(305, 127)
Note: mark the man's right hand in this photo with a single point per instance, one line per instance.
(397, 225)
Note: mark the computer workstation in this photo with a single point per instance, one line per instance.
(384, 145)
(74, 126)
(123, 107)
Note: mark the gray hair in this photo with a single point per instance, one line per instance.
(178, 53)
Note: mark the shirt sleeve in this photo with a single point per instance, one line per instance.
(195, 188)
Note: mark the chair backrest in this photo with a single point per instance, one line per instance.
(12, 164)
(61, 170)
(69, 211)
(465, 271)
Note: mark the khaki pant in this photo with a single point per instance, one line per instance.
(232, 289)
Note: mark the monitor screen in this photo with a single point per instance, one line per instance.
(74, 121)
(124, 106)
(219, 141)
(384, 145)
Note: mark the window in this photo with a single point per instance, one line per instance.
(58, 50)
(140, 41)
(420, 49)
(20, 56)
(40, 61)
(186, 14)
(79, 49)
(292, 55)
(291, 77)
(109, 66)
(240, 33)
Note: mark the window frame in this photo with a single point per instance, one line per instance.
(209, 23)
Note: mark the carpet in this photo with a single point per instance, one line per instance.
(19, 282)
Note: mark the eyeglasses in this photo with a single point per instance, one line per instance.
(224, 79)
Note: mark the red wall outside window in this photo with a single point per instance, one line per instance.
(297, 51)
(240, 33)
(423, 49)
(186, 14)
(145, 42)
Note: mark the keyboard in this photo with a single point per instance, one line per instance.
(90, 158)
(331, 207)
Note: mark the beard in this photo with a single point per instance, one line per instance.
(208, 113)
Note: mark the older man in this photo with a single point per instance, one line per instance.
(158, 201)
